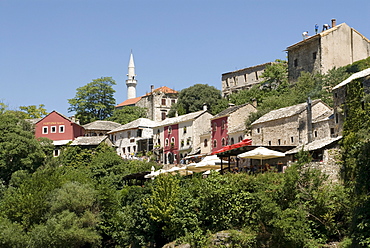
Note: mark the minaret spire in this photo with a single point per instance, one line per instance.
(131, 81)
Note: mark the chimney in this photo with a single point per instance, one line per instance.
(333, 23)
(204, 107)
(151, 88)
(254, 102)
(309, 120)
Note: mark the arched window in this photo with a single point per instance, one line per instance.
(232, 141)
(214, 143)
(169, 129)
(205, 142)
(240, 138)
(223, 142)
(223, 125)
(166, 142)
(214, 126)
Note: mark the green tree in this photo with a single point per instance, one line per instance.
(193, 98)
(19, 149)
(94, 101)
(33, 111)
(276, 75)
(127, 114)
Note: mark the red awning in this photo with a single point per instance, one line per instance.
(245, 142)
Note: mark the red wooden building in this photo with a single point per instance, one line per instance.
(58, 128)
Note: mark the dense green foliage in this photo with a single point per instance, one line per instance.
(127, 114)
(193, 98)
(33, 111)
(94, 101)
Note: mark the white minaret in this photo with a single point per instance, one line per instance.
(131, 81)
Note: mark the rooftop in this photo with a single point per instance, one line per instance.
(229, 110)
(314, 145)
(357, 75)
(101, 125)
(88, 141)
(284, 112)
(181, 118)
(129, 102)
(141, 122)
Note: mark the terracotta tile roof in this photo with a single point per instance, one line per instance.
(163, 89)
(129, 101)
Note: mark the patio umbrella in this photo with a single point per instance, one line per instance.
(177, 170)
(261, 153)
(208, 163)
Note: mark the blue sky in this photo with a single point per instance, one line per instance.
(49, 48)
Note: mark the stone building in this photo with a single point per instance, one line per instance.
(339, 96)
(228, 126)
(99, 128)
(177, 137)
(338, 46)
(235, 81)
(294, 125)
(133, 137)
(157, 102)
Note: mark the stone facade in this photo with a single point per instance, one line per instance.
(235, 81)
(335, 47)
(128, 138)
(158, 102)
(185, 134)
(288, 126)
(340, 94)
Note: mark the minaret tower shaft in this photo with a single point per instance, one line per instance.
(131, 81)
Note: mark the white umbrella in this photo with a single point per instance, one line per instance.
(153, 174)
(208, 163)
(261, 153)
(177, 170)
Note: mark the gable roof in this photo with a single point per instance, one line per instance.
(181, 118)
(357, 75)
(101, 125)
(228, 111)
(141, 122)
(63, 116)
(128, 102)
(314, 145)
(285, 112)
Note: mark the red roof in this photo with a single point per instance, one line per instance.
(163, 89)
(245, 142)
(129, 101)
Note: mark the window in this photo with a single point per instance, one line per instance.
(159, 142)
(279, 142)
(188, 141)
(124, 150)
(128, 149)
(185, 130)
(139, 132)
(223, 142)
(314, 54)
(258, 130)
(163, 101)
(240, 138)
(182, 143)
(166, 142)
(336, 118)
(53, 129)
(134, 147)
(270, 143)
(214, 143)
(315, 134)
(44, 130)
(232, 141)
(169, 129)
(61, 129)
(163, 115)
(332, 131)
(205, 142)
(223, 125)
(173, 101)
(129, 134)
(291, 139)
(245, 78)
(56, 153)
(336, 95)
(214, 126)
(256, 75)
(295, 62)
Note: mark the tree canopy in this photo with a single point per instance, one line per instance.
(194, 97)
(127, 114)
(33, 111)
(94, 101)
